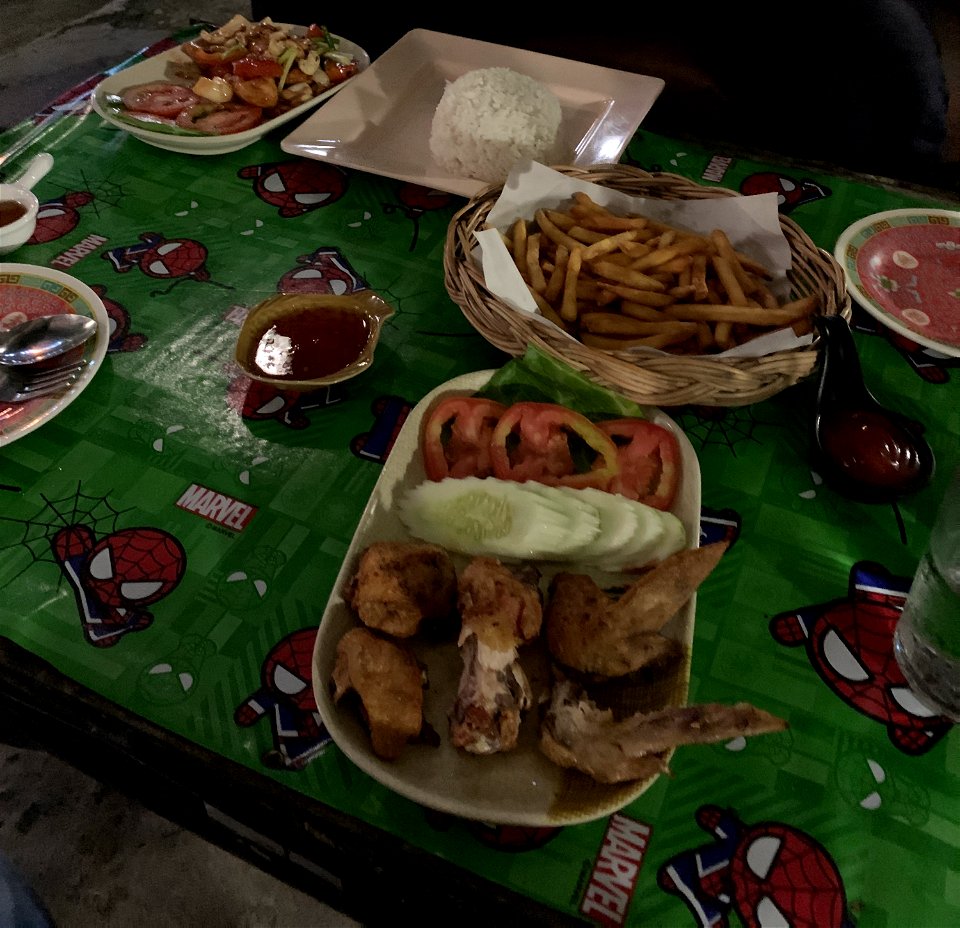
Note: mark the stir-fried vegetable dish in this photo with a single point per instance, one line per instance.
(239, 76)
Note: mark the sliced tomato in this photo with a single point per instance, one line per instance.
(649, 457)
(160, 98)
(251, 66)
(455, 441)
(221, 118)
(210, 55)
(339, 71)
(551, 444)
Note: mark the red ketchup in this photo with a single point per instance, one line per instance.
(311, 343)
(869, 447)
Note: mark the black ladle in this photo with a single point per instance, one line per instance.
(863, 450)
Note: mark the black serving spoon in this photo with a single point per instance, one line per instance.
(862, 449)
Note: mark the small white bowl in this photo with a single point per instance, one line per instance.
(14, 234)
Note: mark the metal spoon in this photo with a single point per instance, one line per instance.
(864, 450)
(45, 337)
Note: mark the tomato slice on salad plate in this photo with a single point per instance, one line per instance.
(649, 458)
(551, 444)
(474, 436)
(456, 437)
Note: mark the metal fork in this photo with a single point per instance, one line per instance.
(18, 386)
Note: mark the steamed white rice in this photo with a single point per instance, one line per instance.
(489, 119)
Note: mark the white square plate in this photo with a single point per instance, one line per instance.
(380, 122)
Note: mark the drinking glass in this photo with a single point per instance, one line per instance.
(927, 637)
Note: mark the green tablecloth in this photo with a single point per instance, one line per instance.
(851, 816)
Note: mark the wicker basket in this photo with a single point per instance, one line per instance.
(663, 379)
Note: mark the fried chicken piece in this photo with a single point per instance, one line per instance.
(400, 586)
(389, 681)
(501, 609)
(576, 733)
(591, 631)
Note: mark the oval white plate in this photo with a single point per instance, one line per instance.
(40, 291)
(903, 267)
(156, 69)
(520, 787)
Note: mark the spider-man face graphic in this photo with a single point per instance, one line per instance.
(116, 577)
(296, 187)
(769, 873)
(324, 270)
(59, 217)
(286, 695)
(287, 670)
(790, 193)
(850, 645)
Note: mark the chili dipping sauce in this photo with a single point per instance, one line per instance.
(311, 343)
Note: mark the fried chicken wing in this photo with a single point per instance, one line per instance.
(501, 609)
(576, 733)
(589, 630)
(400, 586)
(389, 682)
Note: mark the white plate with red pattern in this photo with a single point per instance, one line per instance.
(903, 267)
(28, 291)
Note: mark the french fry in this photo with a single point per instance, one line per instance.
(636, 295)
(534, 270)
(616, 324)
(610, 223)
(628, 276)
(546, 310)
(728, 278)
(704, 337)
(725, 251)
(554, 232)
(642, 311)
(560, 219)
(605, 245)
(557, 275)
(723, 335)
(518, 237)
(568, 306)
(751, 315)
(587, 236)
(698, 277)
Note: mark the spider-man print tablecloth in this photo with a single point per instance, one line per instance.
(170, 539)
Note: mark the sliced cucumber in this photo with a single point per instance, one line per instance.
(675, 536)
(643, 546)
(476, 516)
(617, 522)
(533, 521)
(584, 516)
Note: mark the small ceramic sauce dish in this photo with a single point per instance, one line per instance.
(304, 341)
(19, 206)
(18, 216)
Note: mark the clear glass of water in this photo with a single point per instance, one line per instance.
(927, 638)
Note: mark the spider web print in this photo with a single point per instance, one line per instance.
(726, 426)
(95, 512)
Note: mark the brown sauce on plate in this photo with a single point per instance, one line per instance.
(11, 211)
(311, 343)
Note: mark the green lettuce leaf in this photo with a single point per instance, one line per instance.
(539, 377)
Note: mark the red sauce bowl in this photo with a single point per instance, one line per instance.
(304, 341)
